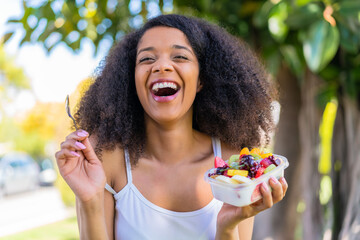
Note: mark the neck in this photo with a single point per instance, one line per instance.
(171, 142)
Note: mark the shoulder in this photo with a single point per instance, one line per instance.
(113, 162)
(227, 151)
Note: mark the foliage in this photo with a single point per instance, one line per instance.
(321, 35)
(11, 76)
(12, 79)
(52, 22)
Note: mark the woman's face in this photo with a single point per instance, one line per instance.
(166, 74)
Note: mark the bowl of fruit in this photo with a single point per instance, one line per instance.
(237, 180)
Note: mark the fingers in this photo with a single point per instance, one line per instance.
(278, 192)
(284, 185)
(78, 135)
(89, 152)
(272, 192)
(72, 146)
(267, 196)
(63, 155)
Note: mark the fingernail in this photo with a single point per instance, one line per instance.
(80, 145)
(273, 180)
(75, 154)
(283, 180)
(265, 186)
(82, 133)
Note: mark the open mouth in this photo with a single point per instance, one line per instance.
(165, 89)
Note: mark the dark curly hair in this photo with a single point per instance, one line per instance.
(234, 103)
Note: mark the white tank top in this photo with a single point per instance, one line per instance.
(137, 218)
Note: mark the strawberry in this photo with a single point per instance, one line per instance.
(260, 171)
(266, 162)
(220, 163)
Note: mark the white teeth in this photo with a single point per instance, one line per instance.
(156, 86)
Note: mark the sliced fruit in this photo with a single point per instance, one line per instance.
(232, 172)
(266, 162)
(234, 158)
(219, 162)
(256, 151)
(277, 161)
(260, 172)
(256, 156)
(240, 179)
(244, 151)
(269, 168)
(225, 173)
(225, 179)
(265, 155)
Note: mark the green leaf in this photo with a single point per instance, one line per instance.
(261, 17)
(293, 59)
(349, 7)
(352, 83)
(6, 37)
(276, 22)
(304, 16)
(348, 40)
(272, 61)
(14, 20)
(320, 45)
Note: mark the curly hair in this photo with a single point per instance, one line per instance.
(233, 105)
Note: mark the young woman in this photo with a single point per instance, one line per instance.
(170, 97)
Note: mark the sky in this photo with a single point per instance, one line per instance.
(52, 76)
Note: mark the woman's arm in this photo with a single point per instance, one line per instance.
(84, 173)
(91, 219)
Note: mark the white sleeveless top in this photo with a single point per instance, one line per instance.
(137, 218)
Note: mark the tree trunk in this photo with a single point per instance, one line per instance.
(279, 222)
(297, 138)
(310, 117)
(346, 170)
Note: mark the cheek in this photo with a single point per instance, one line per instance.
(141, 76)
(140, 79)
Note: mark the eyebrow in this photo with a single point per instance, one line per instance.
(173, 46)
(182, 47)
(145, 49)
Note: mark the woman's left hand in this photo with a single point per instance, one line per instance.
(230, 216)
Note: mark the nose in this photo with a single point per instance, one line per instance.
(162, 66)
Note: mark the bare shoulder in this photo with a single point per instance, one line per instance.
(113, 162)
(227, 151)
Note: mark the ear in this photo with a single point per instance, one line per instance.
(199, 86)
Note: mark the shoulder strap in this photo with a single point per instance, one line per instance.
(216, 147)
(128, 172)
(110, 189)
(128, 166)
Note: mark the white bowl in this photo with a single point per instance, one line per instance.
(245, 193)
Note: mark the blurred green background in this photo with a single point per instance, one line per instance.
(311, 50)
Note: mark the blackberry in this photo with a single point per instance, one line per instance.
(253, 170)
(248, 163)
(220, 170)
(277, 161)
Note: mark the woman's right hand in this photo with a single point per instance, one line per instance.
(80, 167)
